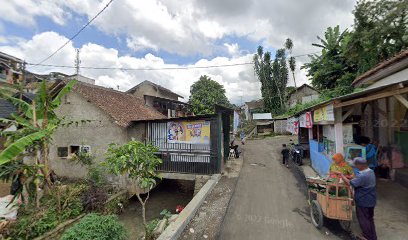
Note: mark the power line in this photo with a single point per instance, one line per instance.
(154, 69)
(146, 69)
(75, 35)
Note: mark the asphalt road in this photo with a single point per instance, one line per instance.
(268, 202)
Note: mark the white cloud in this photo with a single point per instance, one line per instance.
(24, 12)
(187, 27)
(233, 49)
(237, 80)
(181, 27)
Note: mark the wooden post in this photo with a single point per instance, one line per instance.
(338, 129)
(389, 120)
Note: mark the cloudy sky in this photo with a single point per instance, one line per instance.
(167, 34)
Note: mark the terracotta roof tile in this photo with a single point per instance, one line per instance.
(400, 56)
(121, 106)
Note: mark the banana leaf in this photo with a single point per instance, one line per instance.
(18, 147)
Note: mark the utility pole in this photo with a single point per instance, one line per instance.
(77, 62)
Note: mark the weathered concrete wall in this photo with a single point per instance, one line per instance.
(137, 132)
(146, 89)
(303, 95)
(280, 126)
(98, 134)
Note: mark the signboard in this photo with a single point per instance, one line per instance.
(192, 132)
(293, 125)
(236, 122)
(324, 114)
(305, 120)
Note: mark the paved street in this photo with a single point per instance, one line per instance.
(268, 202)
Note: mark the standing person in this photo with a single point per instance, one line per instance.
(371, 152)
(242, 137)
(285, 155)
(365, 197)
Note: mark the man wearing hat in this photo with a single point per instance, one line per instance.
(365, 197)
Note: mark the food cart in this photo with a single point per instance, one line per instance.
(330, 199)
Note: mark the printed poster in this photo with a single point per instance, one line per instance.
(293, 125)
(192, 132)
(324, 114)
(305, 120)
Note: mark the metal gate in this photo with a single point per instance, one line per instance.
(184, 157)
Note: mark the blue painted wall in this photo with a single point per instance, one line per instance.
(320, 162)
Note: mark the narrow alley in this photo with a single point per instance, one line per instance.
(268, 202)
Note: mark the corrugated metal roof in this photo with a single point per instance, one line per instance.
(262, 116)
(6, 108)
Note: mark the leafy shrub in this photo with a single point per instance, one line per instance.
(96, 175)
(64, 203)
(96, 227)
(116, 205)
(150, 226)
(31, 223)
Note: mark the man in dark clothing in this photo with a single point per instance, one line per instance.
(365, 197)
(285, 155)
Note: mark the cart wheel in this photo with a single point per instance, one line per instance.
(316, 214)
(346, 225)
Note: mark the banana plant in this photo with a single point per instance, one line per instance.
(35, 123)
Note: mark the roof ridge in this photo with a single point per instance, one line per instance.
(381, 65)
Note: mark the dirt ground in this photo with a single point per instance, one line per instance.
(208, 219)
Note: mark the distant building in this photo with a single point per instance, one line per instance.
(81, 78)
(10, 69)
(263, 121)
(253, 107)
(302, 95)
(161, 98)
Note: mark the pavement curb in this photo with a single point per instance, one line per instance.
(174, 230)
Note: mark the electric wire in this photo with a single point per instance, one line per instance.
(74, 36)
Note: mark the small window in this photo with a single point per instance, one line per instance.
(86, 149)
(62, 151)
(74, 149)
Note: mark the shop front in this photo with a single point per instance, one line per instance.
(322, 142)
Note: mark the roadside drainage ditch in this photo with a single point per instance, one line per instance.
(167, 195)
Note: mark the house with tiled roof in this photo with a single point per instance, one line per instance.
(162, 99)
(102, 116)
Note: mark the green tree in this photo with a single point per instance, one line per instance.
(273, 76)
(204, 94)
(138, 161)
(380, 32)
(329, 69)
(292, 59)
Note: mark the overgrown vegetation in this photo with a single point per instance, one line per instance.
(380, 31)
(96, 227)
(35, 123)
(62, 204)
(138, 161)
